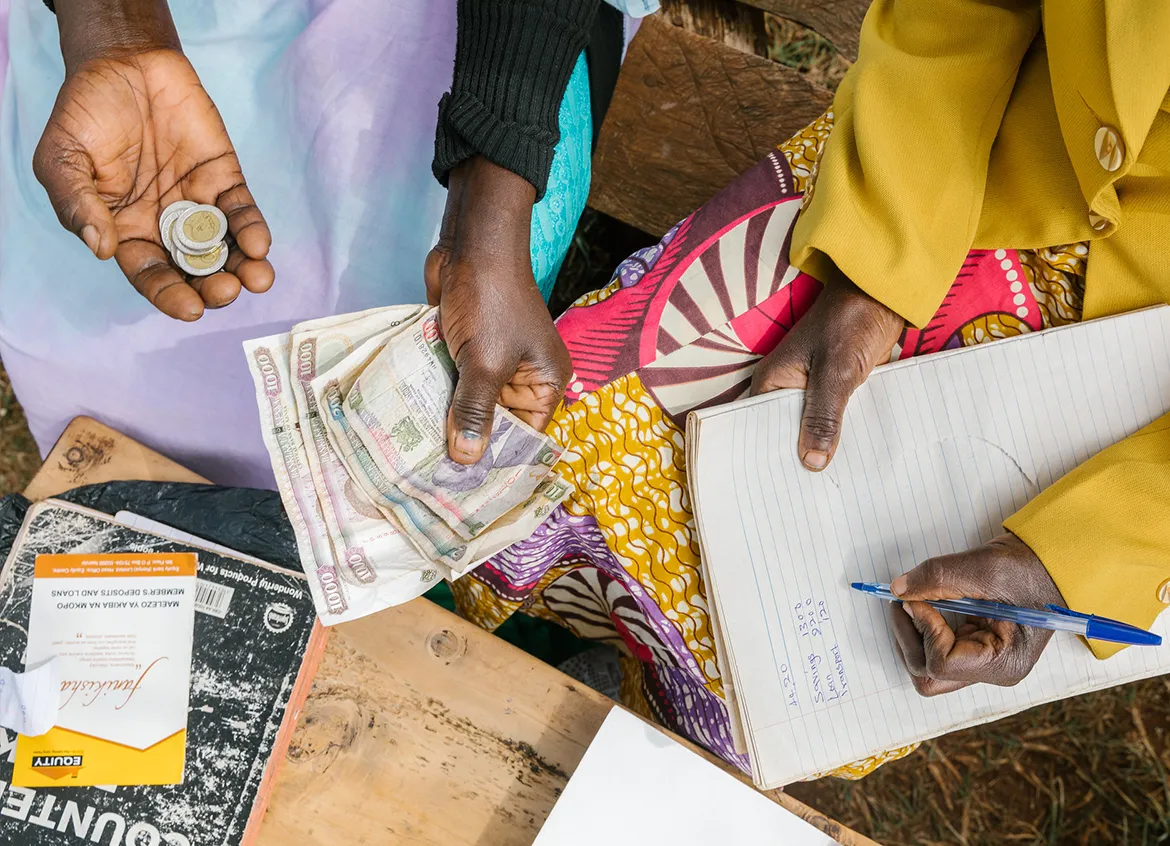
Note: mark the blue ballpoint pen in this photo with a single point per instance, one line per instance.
(1055, 618)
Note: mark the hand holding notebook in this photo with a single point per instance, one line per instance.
(938, 452)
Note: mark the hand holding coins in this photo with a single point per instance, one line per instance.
(194, 234)
(129, 135)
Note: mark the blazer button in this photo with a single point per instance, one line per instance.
(1099, 223)
(1110, 148)
(1164, 592)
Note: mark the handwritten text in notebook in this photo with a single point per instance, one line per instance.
(936, 453)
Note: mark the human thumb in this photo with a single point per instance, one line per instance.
(945, 577)
(473, 408)
(67, 177)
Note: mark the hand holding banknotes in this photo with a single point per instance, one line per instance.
(830, 352)
(941, 659)
(133, 131)
(354, 411)
(496, 325)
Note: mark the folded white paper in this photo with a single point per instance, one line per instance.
(28, 701)
(637, 785)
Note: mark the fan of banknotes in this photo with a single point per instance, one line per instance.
(354, 415)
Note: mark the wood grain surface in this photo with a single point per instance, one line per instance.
(421, 729)
(689, 115)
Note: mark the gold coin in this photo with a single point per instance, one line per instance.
(204, 261)
(201, 226)
(166, 222)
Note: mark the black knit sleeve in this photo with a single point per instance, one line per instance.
(513, 61)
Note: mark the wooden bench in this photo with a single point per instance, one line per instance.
(696, 103)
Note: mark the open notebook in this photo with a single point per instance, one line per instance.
(936, 452)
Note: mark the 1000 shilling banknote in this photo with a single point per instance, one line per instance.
(413, 517)
(379, 511)
(377, 561)
(398, 407)
(431, 535)
(268, 360)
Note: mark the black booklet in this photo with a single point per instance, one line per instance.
(256, 645)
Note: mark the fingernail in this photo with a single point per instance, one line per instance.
(909, 611)
(815, 459)
(898, 586)
(467, 442)
(92, 239)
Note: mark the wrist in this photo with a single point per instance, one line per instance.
(493, 209)
(1035, 579)
(95, 29)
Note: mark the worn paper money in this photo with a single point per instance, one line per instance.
(430, 534)
(353, 410)
(371, 550)
(398, 407)
(411, 516)
(268, 360)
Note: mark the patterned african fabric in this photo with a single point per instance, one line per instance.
(680, 326)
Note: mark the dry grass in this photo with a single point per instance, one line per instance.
(1087, 770)
(797, 47)
(19, 459)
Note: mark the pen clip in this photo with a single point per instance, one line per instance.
(1114, 631)
(1068, 612)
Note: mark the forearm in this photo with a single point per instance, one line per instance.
(512, 64)
(93, 28)
(901, 180)
(493, 209)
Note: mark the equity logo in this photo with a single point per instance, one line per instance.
(58, 765)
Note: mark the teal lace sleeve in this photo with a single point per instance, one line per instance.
(554, 218)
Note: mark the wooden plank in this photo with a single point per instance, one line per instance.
(421, 729)
(726, 21)
(689, 115)
(837, 20)
(89, 453)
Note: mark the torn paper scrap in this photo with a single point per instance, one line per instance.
(28, 701)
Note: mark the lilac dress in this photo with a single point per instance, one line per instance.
(332, 106)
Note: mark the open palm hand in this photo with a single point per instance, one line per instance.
(129, 136)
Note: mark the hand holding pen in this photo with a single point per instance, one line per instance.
(941, 659)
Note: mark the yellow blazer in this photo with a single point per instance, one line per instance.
(1019, 124)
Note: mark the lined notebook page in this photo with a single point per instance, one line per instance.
(936, 453)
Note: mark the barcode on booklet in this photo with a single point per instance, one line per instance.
(213, 598)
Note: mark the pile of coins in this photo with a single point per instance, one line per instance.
(194, 234)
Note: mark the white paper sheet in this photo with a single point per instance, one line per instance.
(146, 524)
(122, 641)
(636, 786)
(936, 452)
(28, 701)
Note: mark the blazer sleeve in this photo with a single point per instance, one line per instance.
(899, 188)
(1103, 531)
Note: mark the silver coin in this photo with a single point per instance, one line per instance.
(201, 264)
(199, 229)
(167, 220)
